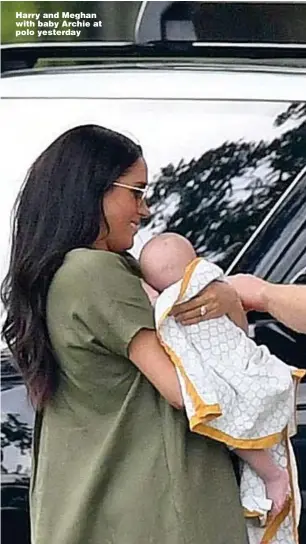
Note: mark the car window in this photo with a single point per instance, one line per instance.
(248, 22)
(215, 167)
(278, 252)
(258, 22)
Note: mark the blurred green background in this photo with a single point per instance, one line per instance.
(118, 19)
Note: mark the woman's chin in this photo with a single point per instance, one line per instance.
(127, 245)
(132, 238)
(130, 244)
(123, 244)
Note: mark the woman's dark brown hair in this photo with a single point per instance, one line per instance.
(59, 208)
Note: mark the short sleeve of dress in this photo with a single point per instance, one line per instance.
(112, 303)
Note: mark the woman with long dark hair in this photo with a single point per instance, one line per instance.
(113, 459)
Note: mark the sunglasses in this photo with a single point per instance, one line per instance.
(140, 194)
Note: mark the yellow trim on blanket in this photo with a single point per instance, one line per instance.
(251, 514)
(185, 281)
(289, 507)
(276, 522)
(273, 525)
(242, 443)
(188, 273)
(204, 411)
(163, 317)
(292, 489)
(201, 417)
(207, 412)
(299, 373)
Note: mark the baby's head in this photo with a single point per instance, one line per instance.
(164, 258)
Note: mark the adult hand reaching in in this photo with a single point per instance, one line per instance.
(287, 303)
(251, 291)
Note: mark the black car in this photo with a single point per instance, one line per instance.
(277, 252)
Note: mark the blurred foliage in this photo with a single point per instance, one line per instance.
(217, 218)
(118, 19)
(15, 432)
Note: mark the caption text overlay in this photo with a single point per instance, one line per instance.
(59, 23)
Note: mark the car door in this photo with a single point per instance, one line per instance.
(17, 418)
(278, 254)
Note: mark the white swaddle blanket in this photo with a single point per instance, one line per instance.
(235, 392)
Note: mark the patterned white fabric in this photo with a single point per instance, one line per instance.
(235, 392)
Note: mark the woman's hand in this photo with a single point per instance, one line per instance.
(217, 299)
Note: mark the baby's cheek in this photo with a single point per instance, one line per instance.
(151, 292)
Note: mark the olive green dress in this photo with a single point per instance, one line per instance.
(113, 462)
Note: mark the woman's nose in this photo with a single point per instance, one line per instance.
(144, 209)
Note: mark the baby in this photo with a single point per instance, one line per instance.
(215, 359)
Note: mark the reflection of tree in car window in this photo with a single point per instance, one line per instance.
(17, 434)
(247, 22)
(209, 210)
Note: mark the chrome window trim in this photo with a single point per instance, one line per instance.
(276, 206)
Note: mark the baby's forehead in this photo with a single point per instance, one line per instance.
(165, 244)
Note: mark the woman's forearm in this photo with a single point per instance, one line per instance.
(287, 303)
(146, 352)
